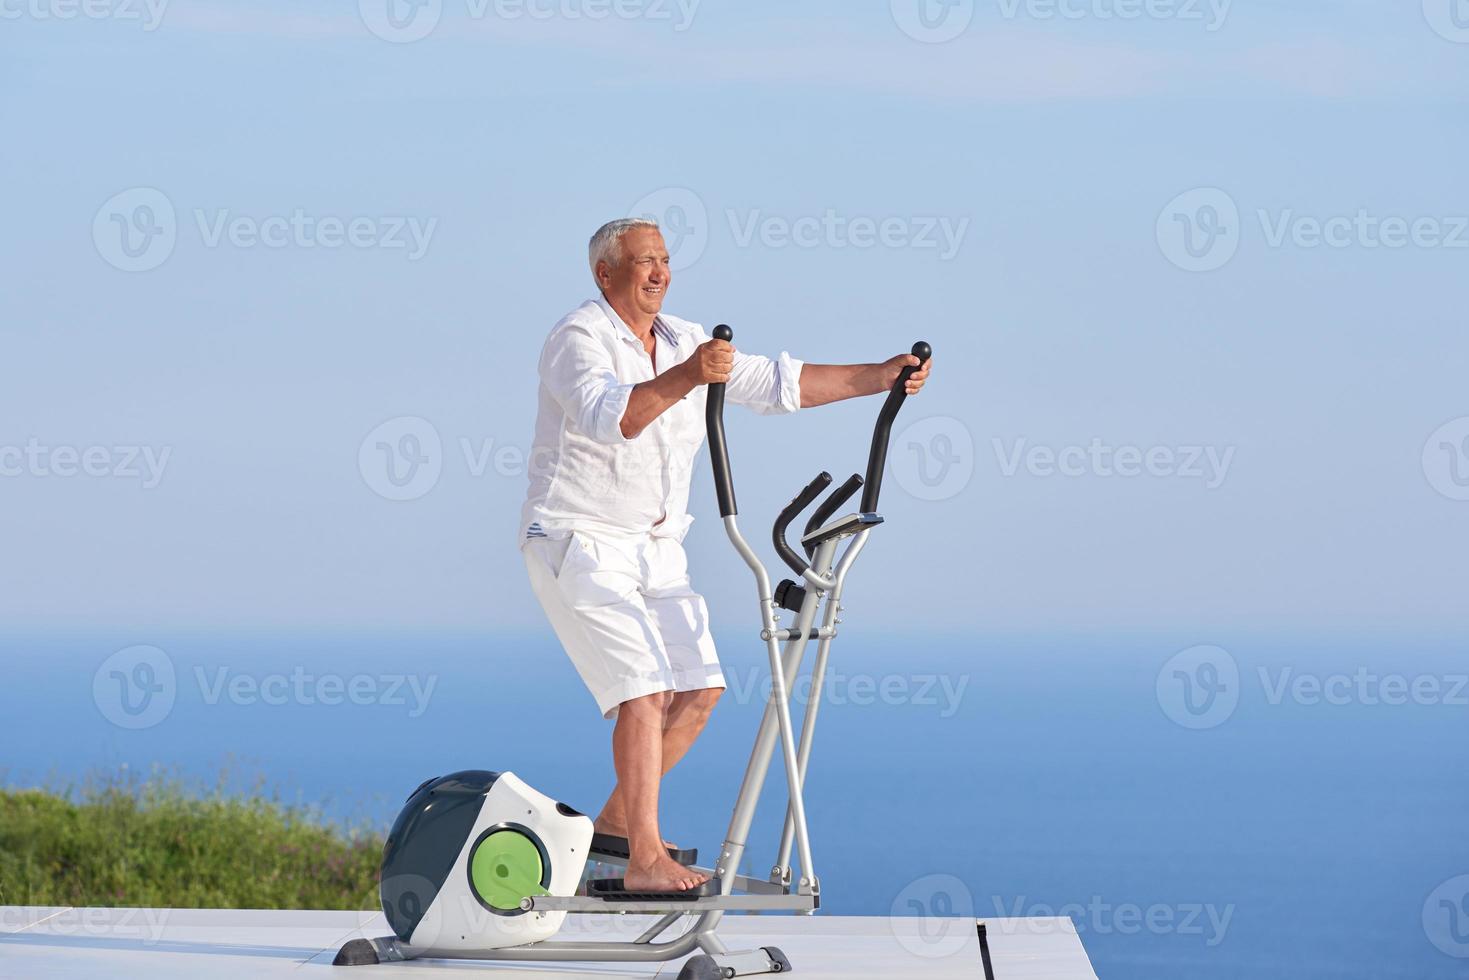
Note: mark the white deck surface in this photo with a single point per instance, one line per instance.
(163, 944)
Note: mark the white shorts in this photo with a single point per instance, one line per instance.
(626, 614)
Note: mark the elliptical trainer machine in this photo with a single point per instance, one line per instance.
(479, 865)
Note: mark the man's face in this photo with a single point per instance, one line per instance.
(640, 280)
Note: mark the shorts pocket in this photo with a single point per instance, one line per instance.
(574, 547)
(595, 573)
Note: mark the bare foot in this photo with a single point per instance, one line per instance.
(663, 875)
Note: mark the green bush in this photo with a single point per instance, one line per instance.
(155, 843)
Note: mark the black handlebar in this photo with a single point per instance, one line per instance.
(877, 457)
(718, 450)
(802, 501)
(829, 507)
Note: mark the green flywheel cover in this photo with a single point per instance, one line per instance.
(505, 868)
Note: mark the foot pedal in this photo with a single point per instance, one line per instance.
(613, 890)
(609, 845)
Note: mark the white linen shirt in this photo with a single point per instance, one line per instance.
(584, 473)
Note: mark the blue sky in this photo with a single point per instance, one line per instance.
(1025, 196)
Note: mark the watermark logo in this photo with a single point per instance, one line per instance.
(135, 687)
(135, 230)
(1199, 687)
(932, 21)
(1446, 917)
(401, 21)
(933, 458)
(403, 898)
(933, 917)
(402, 458)
(684, 219)
(1449, 19)
(1199, 230)
(1446, 459)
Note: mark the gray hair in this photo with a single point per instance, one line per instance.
(606, 244)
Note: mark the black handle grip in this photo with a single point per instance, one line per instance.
(829, 507)
(877, 457)
(802, 501)
(718, 450)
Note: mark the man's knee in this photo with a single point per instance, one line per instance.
(693, 707)
(648, 709)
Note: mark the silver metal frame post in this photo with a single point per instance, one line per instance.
(779, 705)
(781, 870)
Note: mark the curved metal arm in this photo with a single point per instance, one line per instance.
(877, 457)
(829, 507)
(800, 503)
(718, 450)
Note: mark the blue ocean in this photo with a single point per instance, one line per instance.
(1311, 824)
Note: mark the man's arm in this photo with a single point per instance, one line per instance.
(711, 363)
(714, 360)
(825, 383)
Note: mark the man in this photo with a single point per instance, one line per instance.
(619, 420)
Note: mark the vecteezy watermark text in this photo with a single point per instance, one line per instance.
(1363, 687)
(1103, 918)
(406, 21)
(941, 691)
(137, 687)
(685, 220)
(131, 924)
(1202, 230)
(832, 230)
(1211, 13)
(404, 457)
(1201, 687)
(302, 230)
(303, 688)
(36, 459)
(148, 13)
(137, 230)
(937, 21)
(1207, 463)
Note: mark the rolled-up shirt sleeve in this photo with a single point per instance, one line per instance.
(578, 371)
(769, 386)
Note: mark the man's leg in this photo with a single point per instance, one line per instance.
(637, 755)
(687, 714)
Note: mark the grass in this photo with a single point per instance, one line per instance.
(161, 843)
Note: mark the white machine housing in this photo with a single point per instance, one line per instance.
(457, 923)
